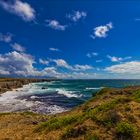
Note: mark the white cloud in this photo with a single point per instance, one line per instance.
(54, 49)
(16, 63)
(44, 62)
(101, 31)
(132, 67)
(92, 54)
(54, 24)
(3, 71)
(137, 19)
(80, 75)
(62, 63)
(114, 59)
(19, 8)
(118, 59)
(98, 61)
(18, 47)
(22, 64)
(78, 67)
(77, 15)
(6, 37)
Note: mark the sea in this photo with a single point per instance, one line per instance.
(55, 96)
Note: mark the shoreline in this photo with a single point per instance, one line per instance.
(8, 84)
(110, 114)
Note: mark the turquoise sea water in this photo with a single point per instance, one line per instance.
(56, 96)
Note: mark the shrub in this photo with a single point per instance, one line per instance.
(131, 118)
(92, 113)
(136, 96)
(124, 129)
(71, 132)
(56, 123)
(127, 107)
(109, 118)
(92, 137)
(102, 91)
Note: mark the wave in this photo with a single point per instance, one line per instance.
(53, 109)
(94, 88)
(69, 94)
(10, 103)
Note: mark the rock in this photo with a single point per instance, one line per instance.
(44, 88)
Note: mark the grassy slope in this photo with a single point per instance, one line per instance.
(111, 114)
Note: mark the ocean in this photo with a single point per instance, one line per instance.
(56, 96)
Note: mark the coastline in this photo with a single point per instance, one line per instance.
(8, 84)
(110, 114)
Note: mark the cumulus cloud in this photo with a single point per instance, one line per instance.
(92, 54)
(22, 64)
(44, 62)
(77, 15)
(118, 59)
(78, 67)
(132, 67)
(54, 24)
(6, 37)
(101, 31)
(62, 63)
(18, 47)
(15, 63)
(54, 49)
(19, 8)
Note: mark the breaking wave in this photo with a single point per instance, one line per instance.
(94, 88)
(69, 94)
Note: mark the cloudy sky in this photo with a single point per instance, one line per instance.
(70, 38)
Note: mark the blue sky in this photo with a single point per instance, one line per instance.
(70, 39)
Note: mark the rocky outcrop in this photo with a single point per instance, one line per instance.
(7, 84)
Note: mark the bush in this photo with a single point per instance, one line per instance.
(71, 132)
(92, 113)
(127, 108)
(124, 129)
(136, 96)
(56, 123)
(92, 137)
(109, 118)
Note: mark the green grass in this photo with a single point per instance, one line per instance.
(109, 118)
(124, 129)
(2, 114)
(136, 96)
(72, 132)
(92, 113)
(92, 137)
(60, 122)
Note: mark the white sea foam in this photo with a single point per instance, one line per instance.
(68, 94)
(34, 97)
(94, 88)
(53, 109)
(10, 101)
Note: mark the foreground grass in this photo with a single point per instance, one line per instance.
(111, 114)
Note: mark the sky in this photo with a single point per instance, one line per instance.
(70, 39)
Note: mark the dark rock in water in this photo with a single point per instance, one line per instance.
(44, 88)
